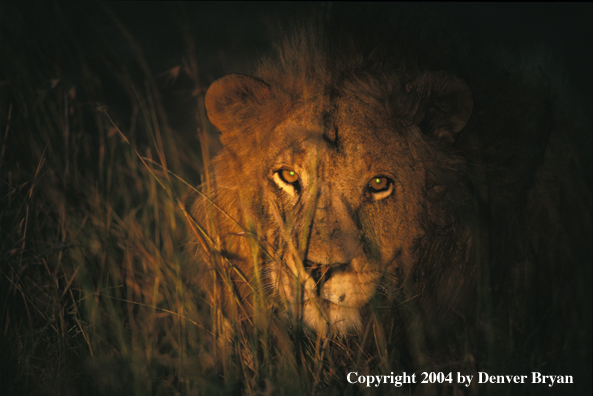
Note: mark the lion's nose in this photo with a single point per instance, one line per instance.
(322, 272)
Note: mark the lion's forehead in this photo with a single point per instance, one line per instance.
(353, 150)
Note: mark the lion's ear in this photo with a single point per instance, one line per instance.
(233, 100)
(447, 104)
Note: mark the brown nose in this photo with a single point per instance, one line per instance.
(321, 273)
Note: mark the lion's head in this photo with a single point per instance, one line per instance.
(335, 169)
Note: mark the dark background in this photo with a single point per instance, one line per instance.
(230, 36)
(234, 32)
(239, 29)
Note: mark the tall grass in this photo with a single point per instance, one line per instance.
(92, 223)
(97, 294)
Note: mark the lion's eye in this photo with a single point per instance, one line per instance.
(288, 180)
(289, 176)
(378, 183)
(379, 187)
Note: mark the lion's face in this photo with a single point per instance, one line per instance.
(336, 190)
(348, 200)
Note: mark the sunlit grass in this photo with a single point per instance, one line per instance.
(98, 295)
(93, 285)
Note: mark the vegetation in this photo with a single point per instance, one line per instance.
(92, 213)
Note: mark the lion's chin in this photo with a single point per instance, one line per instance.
(328, 318)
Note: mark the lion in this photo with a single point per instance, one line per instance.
(363, 191)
